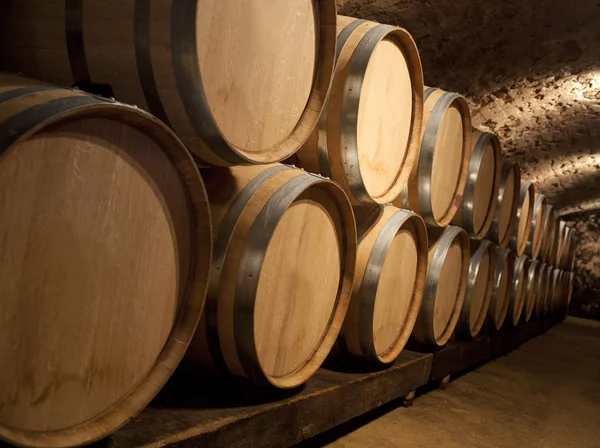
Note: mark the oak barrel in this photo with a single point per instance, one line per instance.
(437, 181)
(531, 288)
(557, 293)
(445, 285)
(550, 229)
(368, 136)
(563, 261)
(505, 217)
(571, 284)
(282, 272)
(479, 289)
(388, 289)
(542, 290)
(503, 280)
(240, 82)
(105, 247)
(536, 232)
(524, 218)
(479, 200)
(549, 290)
(517, 290)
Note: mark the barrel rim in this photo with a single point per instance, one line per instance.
(248, 277)
(426, 156)
(448, 237)
(190, 311)
(503, 240)
(505, 256)
(367, 294)
(519, 246)
(468, 200)
(350, 104)
(464, 327)
(517, 302)
(531, 287)
(189, 79)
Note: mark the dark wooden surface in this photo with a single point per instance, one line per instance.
(194, 412)
(235, 415)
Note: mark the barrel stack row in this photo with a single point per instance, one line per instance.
(148, 224)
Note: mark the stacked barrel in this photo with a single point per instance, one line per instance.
(242, 188)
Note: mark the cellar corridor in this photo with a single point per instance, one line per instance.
(545, 394)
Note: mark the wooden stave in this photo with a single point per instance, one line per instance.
(464, 215)
(517, 290)
(536, 233)
(419, 182)
(503, 240)
(505, 256)
(200, 131)
(478, 248)
(520, 246)
(440, 241)
(205, 351)
(531, 289)
(90, 106)
(346, 170)
(359, 319)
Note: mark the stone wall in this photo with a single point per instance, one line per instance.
(531, 72)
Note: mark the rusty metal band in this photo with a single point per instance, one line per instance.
(75, 42)
(12, 129)
(186, 66)
(533, 242)
(322, 149)
(220, 249)
(464, 326)
(350, 104)
(498, 320)
(450, 234)
(143, 58)
(530, 289)
(24, 91)
(516, 306)
(427, 152)
(250, 268)
(468, 205)
(521, 246)
(368, 289)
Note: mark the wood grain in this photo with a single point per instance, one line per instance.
(105, 249)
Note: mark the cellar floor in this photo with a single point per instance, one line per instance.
(545, 394)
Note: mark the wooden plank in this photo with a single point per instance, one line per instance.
(237, 415)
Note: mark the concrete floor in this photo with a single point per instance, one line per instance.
(545, 394)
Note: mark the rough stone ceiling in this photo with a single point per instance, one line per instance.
(531, 72)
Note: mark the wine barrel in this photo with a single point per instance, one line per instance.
(557, 292)
(505, 217)
(105, 244)
(282, 272)
(563, 261)
(536, 233)
(438, 178)
(503, 279)
(542, 291)
(562, 234)
(445, 286)
(520, 238)
(549, 290)
(240, 82)
(479, 289)
(479, 200)
(572, 254)
(368, 136)
(388, 289)
(531, 288)
(517, 290)
(550, 229)
(570, 286)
